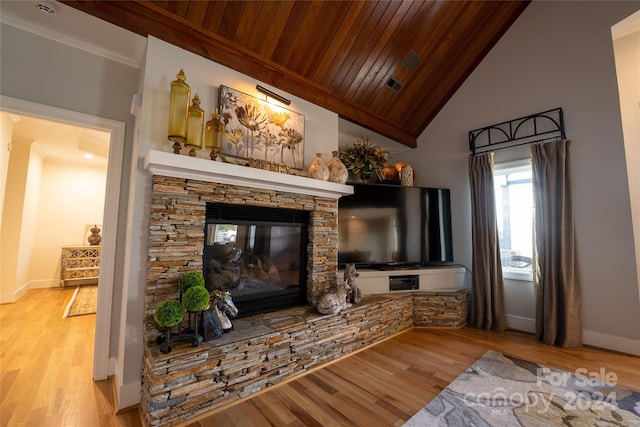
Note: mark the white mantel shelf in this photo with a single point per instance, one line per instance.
(181, 166)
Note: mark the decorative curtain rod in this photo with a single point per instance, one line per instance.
(530, 129)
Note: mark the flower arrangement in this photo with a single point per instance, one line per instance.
(364, 159)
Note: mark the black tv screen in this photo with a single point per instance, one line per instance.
(390, 225)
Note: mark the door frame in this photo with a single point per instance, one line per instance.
(116, 129)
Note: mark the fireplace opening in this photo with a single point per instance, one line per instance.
(258, 254)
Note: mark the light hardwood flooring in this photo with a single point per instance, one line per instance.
(46, 364)
(387, 383)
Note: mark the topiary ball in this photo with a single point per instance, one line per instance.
(196, 298)
(168, 314)
(191, 278)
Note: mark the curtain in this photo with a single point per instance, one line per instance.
(487, 285)
(557, 286)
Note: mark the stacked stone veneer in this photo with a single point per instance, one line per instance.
(190, 381)
(176, 235)
(446, 309)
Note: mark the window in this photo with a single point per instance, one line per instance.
(514, 212)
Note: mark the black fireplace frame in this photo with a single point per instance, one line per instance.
(264, 302)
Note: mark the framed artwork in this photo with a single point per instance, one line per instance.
(255, 129)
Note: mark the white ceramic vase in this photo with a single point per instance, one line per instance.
(337, 170)
(318, 169)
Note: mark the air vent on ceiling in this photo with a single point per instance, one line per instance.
(45, 7)
(411, 60)
(394, 84)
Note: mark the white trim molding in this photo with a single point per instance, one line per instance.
(522, 324)
(181, 166)
(112, 199)
(611, 342)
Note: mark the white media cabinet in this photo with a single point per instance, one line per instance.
(445, 278)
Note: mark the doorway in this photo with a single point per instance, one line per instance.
(115, 131)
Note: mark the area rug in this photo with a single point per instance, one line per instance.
(83, 301)
(500, 390)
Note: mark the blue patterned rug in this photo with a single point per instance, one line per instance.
(499, 390)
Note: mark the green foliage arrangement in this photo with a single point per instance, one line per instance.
(168, 314)
(364, 159)
(191, 278)
(195, 299)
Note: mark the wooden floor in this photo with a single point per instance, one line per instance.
(387, 383)
(46, 365)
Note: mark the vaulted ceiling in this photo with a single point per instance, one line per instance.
(389, 66)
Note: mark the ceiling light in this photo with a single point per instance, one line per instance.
(88, 156)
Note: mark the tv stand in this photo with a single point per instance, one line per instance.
(441, 278)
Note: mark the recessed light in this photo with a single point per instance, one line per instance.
(88, 156)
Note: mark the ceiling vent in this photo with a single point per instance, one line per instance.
(394, 84)
(411, 60)
(45, 7)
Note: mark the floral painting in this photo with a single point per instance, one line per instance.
(257, 129)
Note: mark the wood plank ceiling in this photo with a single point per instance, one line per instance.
(340, 55)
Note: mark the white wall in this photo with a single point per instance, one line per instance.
(12, 221)
(6, 129)
(520, 305)
(28, 236)
(557, 54)
(70, 200)
(627, 55)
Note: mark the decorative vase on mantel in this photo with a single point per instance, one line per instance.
(337, 170)
(318, 168)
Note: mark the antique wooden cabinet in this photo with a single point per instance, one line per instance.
(80, 265)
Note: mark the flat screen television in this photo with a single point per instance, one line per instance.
(392, 226)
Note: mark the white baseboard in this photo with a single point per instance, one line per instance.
(43, 284)
(111, 370)
(523, 324)
(611, 342)
(128, 394)
(9, 297)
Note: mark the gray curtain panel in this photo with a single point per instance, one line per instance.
(487, 285)
(557, 285)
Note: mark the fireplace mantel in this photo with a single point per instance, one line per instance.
(180, 166)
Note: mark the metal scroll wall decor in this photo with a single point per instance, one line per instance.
(539, 127)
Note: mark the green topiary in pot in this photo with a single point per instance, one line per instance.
(195, 299)
(168, 314)
(191, 278)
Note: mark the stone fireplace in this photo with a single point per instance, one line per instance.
(182, 188)
(265, 349)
